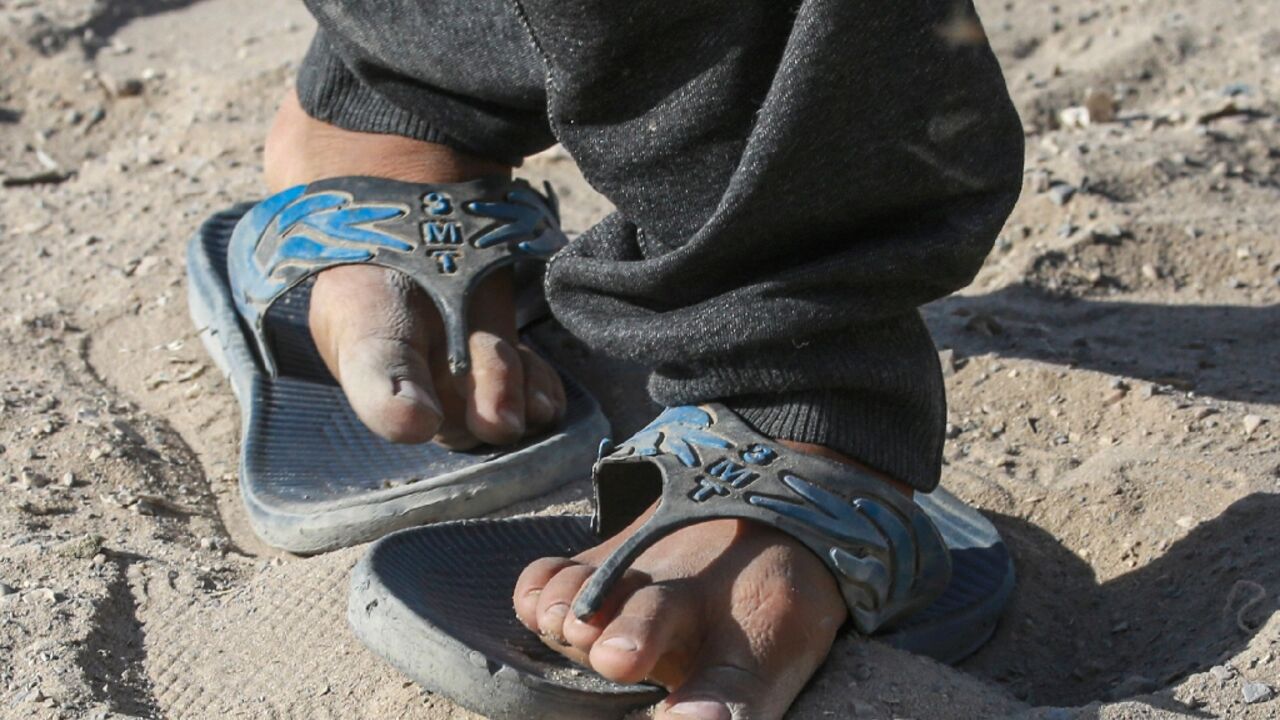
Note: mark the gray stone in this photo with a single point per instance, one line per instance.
(1221, 673)
(1256, 692)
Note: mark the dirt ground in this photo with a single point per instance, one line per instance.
(1114, 379)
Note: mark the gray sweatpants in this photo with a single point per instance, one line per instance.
(792, 181)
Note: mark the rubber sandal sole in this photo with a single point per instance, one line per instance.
(312, 477)
(435, 602)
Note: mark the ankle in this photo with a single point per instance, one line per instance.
(828, 453)
(300, 149)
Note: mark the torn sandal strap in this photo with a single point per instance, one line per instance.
(446, 237)
(706, 463)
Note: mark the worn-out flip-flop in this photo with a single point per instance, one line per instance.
(930, 576)
(312, 476)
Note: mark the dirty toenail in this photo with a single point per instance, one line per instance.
(702, 710)
(413, 392)
(618, 642)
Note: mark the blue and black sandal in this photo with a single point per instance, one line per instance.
(312, 476)
(930, 576)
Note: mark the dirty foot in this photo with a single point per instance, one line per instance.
(730, 616)
(378, 333)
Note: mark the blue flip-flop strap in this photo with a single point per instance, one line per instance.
(440, 235)
(881, 547)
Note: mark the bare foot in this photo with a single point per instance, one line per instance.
(378, 333)
(730, 616)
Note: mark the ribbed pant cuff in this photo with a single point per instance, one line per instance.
(330, 92)
(847, 422)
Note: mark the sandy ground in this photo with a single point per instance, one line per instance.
(1114, 378)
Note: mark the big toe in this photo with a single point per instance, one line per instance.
(370, 328)
(384, 381)
(753, 668)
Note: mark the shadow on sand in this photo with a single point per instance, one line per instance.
(1223, 351)
(1068, 639)
(108, 18)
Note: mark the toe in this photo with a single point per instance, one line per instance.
(453, 433)
(718, 692)
(382, 380)
(544, 394)
(556, 598)
(650, 637)
(729, 684)
(769, 633)
(494, 390)
(369, 327)
(754, 668)
(533, 579)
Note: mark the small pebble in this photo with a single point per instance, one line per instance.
(1221, 673)
(69, 479)
(128, 87)
(1256, 692)
(865, 709)
(1100, 105)
(1251, 424)
(1204, 412)
(1061, 193)
(1040, 182)
(29, 479)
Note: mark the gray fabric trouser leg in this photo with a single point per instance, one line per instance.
(792, 181)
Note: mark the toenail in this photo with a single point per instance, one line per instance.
(511, 420)
(702, 710)
(543, 404)
(618, 642)
(557, 611)
(414, 393)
